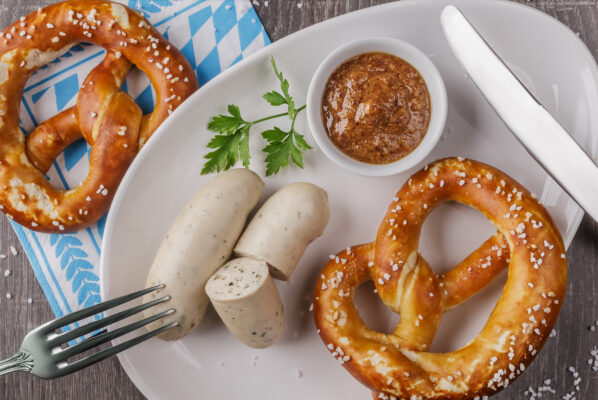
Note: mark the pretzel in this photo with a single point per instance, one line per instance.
(398, 365)
(108, 119)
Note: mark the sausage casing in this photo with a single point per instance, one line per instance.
(284, 226)
(247, 301)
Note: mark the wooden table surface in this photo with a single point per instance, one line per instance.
(570, 347)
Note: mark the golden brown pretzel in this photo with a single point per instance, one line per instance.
(107, 118)
(52, 136)
(397, 365)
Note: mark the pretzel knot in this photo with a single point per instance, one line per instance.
(107, 118)
(398, 365)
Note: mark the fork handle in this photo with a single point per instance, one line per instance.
(20, 361)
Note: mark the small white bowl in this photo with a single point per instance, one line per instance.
(397, 48)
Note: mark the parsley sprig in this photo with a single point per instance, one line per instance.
(231, 142)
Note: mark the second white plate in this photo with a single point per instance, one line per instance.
(210, 363)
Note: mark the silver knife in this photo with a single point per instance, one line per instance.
(537, 130)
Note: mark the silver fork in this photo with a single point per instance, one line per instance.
(41, 352)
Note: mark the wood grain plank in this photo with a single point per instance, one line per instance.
(107, 380)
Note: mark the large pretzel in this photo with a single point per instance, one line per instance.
(107, 118)
(397, 365)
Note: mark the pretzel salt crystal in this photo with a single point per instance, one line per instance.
(398, 366)
(108, 119)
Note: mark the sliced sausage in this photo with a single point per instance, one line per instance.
(247, 301)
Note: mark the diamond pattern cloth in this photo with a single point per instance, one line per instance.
(212, 34)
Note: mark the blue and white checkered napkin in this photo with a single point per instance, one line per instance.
(212, 34)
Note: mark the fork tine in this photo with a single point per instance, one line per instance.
(78, 332)
(96, 309)
(101, 355)
(108, 336)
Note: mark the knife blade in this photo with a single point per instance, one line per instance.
(538, 131)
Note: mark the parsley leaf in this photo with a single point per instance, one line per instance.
(229, 148)
(282, 146)
(227, 124)
(284, 86)
(275, 98)
(232, 140)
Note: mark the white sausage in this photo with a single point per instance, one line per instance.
(247, 301)
(284, 226)
(199, 241)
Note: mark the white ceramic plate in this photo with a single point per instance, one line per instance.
(210, 363)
